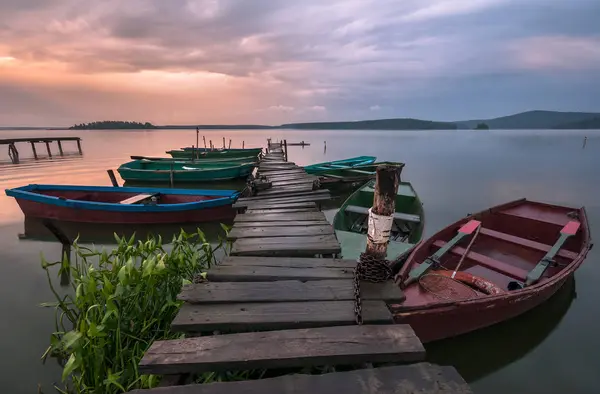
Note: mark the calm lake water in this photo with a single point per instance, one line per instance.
(550, 350)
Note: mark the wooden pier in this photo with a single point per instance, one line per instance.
(283, 299)
(13, 152)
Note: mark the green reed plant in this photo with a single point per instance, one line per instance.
(120, 303)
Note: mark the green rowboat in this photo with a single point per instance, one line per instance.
(200, 160)
(214, 154)
(162, 171)
(339, 164)
(351, 221)
(355, 174)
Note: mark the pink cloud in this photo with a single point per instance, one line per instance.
(557, 53)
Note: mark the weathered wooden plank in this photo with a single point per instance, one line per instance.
(284, 349)
(274, 200)
(277, 217)
(288, 291)
(282, 171)
(286, 191)
(276, 224)
(286, 262)
(268, 274)
(275, 177)
(286, 246)
(281, 231)
(284, 205)
(282, 210)
(421, 378)
(304, 194)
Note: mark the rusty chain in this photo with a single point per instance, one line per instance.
(371, 269)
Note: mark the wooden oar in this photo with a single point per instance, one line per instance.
(432, 260)
(567, 231)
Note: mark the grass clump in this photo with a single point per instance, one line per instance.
(119, 304)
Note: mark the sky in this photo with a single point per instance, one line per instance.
(280, 61)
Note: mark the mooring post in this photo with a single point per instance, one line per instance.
(65, 270)
(229, 144)
(60, 148)
(13, 153)
(204, 139)
(211, 145)
(113, 178)
(171, 176)
(243, 144)
(34, 151)
(381, 215)
(285, 149)
(197, 142)
(79, 146)
(48, 149)
(223, 142)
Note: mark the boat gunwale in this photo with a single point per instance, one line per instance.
(225, 197)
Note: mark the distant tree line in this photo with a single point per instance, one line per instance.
(482, 126)
(112, 124)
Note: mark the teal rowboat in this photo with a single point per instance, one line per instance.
(356, 174)
(188, 153)
(339, 164)
(162, 171)
(351, 221)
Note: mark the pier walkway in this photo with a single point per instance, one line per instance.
(14, 155)
(283, 301)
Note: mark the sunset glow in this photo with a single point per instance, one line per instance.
(271, 62)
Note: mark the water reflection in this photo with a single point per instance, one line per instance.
(103, 233)
(480, 353)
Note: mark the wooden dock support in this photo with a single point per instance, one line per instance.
(48, 149)
(13, 153)
(60, 150)
(285, 150)
(384, 204)
(79, 147)
(35, 156)
(113, 179)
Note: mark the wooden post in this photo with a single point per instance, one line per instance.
(229, 144)
(243, 144)
(34, 151)
(79, 147)
(171, 176)
(60, 148)
(113, 178)
(285, 149)
(13, 153)
(211, 145)
(223, 142)
(65, 274)
(204, 139)
(384, 204)
(197, 142)
(48, 149)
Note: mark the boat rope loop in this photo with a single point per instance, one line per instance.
(379, 227)
(371, 269)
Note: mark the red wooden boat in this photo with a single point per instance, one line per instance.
(102, 204)
(490, 267)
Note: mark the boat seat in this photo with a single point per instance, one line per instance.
(407, 217)
(488, 262)
(527, 243)
(137, 198)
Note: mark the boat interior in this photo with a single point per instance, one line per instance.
(407, 226)
(511, 241)
(123, 197)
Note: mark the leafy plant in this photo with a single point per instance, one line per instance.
(119, 304)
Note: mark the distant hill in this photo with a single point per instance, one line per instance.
(380, 124)
(218, 126)
(592, 123)
(530, 120)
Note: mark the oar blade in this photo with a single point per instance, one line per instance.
(570, 228)
(469, 227)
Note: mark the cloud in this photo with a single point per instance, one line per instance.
(341, 54)
(557, 53)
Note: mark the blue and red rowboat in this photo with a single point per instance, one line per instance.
(100, 204)
(490, 267)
